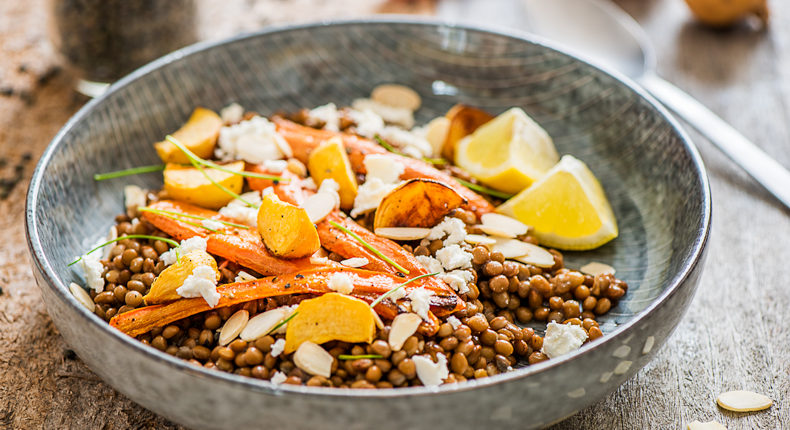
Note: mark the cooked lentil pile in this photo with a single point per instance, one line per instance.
(492, 285)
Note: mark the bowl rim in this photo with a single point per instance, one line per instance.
(53, 278)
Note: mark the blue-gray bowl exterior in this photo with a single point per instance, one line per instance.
(648, 167)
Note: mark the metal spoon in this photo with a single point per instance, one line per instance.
(604, 33)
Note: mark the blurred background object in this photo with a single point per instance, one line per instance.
(724, 13)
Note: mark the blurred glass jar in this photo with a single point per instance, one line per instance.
(106, 39)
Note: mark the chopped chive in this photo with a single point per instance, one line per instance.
(370, 247)
(194, 158)
(128, 172)
(390, 292)
(282, 323)
(484, 190)
(224, 189)
(388, 146)
(358, 357)
(170, 242)
(437, 161)
(179, 214)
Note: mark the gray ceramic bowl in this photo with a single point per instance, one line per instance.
(651, 172)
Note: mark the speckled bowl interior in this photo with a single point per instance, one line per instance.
(649, 169)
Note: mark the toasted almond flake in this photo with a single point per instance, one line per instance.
(479, 239)
(743, 401)
(233, 326)
(711, 425)
(537, 256)
(243, 276)
(318, 206)
(595, 268)
(403, 326)
(313, 359)
(403, 233)
(82, 296)
(377, 319)
(355, 262)
(260, 325)
(493, 231)
(512, 248)
(398, 96)
(504, 223)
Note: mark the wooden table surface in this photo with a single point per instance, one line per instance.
(734, 336)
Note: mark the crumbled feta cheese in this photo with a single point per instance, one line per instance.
(241, 214)
(384, 167)
(201, 283)
(134, 197)
(341, 283)
(413, 144)
(243, 276)
(266, 191)
(275, 166)
(369, 195)
(278, 347)
(430, 264)
(278, 377)
(93, 269)
(212, 224)
(562, 338)
(368, 123)
(452, 227)
(253, 197)
(454, 322)
(309, 184)
(453, 257)
(232, 113)
(326, 114)
(255, 141)
(390, 114)
(355, 262)
(331, 187)
(196, 243)
(430, 373)
(420, 301)
(458, 280)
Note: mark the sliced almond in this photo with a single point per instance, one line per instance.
(536, 256)
(233, 326)
(396, 96)
(403, 326)
(711, 425)
(743, 401)
(403, 233)
(318, 206)
(313, 359)
(82, 296)
(436, 133)
(260, 325)
(504, 223)
(512, 248)
(595, 268)
(479, 239)
(493, 231)
(355, 262)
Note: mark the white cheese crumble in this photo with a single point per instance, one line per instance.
(452, 227)
(453, 257)
(212, 224)
(458, 280)
(413, 144)
(309, 184)
(243, 276)
(355, 262)
(341, 283)
(331, 187)
(278, 347)
(384, 167)
(390, 114)
(201, 283)
(266, 191)
(255, 141)
(241, 214)
(326, 114)
(278, 377)
(93, 269)
(431, 374)
(454, 322)
(196, 243)
(369, 196)
(232, 113)
(430, 264)
(562, 338)
(368, 123)
(134, 198)
(420, 302)
(275, 166)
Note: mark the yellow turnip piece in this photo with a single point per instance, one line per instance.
(286, 230)
(199, 135)
(330, 161)
(165, 285)
(332, 316)
(189, 185)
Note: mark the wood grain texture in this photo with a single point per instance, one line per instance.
(734, 336)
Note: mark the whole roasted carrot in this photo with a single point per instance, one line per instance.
(304, 139)
(367, 286)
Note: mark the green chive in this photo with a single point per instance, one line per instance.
(390, 292)
(195, 159)
(170, 242)
(179, 214)
(128, 172)
(358, 357)
(369, 247)
(283, 322)
(484, 190)
(437, 161)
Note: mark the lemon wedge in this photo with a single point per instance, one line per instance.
(567, 208)
(508, 153)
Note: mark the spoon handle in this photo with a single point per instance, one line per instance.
(772, 175)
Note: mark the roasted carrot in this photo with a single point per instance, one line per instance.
(367, 286)
(304, 139)
(235, 244)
